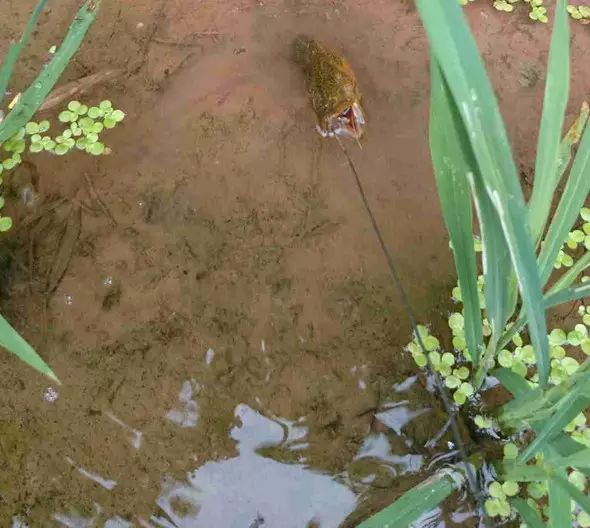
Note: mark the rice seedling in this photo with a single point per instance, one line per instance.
(531, 256)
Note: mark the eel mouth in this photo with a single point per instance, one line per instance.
(350, 122)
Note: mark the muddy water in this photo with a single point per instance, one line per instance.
(228, 341)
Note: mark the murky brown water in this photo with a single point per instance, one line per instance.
(230, 345)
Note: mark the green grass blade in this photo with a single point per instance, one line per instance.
(524, 472)
(571, 274)
(452, 160)
(417, 501)
(572, 200)
(12, 341)
(574, 493)
(551, 298)
(514, 383)
(579, 460)
(15, 49)
(547, 165)
(572, 404)
(567, 295)
(498, 289)
(33, 97)
(455, 50)
(559, 505)
(528, 514)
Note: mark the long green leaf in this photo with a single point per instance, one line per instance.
(516, 384)
(453, 160)
(579, 460)
(528, 514)
(33, 97)
(498, 289)
(417, 501)
(456, 52)
(11, 340)
(572, 404)
(559, 505)
(572, 200)
(547, 165)
(571, 274)
(567, 295)
(568, 488)
(15, 48)
(524, 473)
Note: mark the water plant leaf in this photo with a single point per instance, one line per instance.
(15, 48)
(33, 97)
(11, 340)
(453, 47)
(548, 163)
(452, 160)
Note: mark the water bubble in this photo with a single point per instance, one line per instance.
(50, 395)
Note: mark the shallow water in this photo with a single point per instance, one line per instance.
(228, 340)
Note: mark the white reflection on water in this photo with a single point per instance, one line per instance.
(249, 489)
(186, 413)
(398, 415)
(378, 446)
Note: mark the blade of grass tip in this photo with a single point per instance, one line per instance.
(452, 159)
(572, 200)
(567, 295)
(15, 49)
(547, 164)
(33, 97)
(417, 501)
(529, 515)
(12, 341)
(571, 138)
(560, 514)
(454, 47)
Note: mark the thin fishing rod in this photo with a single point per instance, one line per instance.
(471, 478)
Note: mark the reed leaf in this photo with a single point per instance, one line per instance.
(11, 340)
(15, 48)
(453, 160)
(32, 98)
(548, 163)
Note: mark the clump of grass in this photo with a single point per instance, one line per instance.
(532, 259)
